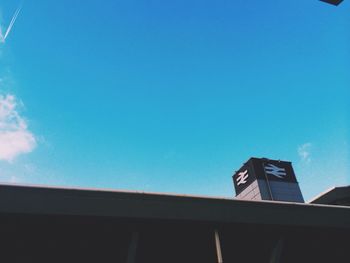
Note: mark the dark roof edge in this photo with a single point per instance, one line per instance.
(332, 194)
(161, 194)
(34, 200)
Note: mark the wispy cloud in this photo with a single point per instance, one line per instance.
(15, 138)
(304, 152)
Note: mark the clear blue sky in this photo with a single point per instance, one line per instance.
(173, 96)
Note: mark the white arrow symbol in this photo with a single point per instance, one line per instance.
(242, 177)
(275, 170)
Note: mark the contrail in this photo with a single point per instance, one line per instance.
(1, 37)
(13, 20)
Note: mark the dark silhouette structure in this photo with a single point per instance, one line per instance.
(332, 2)
(334, 196)
(42, 224)
(266, 179)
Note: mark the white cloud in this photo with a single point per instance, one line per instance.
(304, 152)
(15, 138)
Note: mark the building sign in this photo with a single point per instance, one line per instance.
(262, 169)
(243, 178)
(274, 170)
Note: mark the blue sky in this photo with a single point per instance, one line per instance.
(173, 96)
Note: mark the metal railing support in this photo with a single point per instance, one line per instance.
(218, 246)
(133, 247)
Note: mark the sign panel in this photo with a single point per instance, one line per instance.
(263, 169)
(243, 178)
(273, 170)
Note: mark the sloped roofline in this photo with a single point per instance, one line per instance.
(66, 201)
